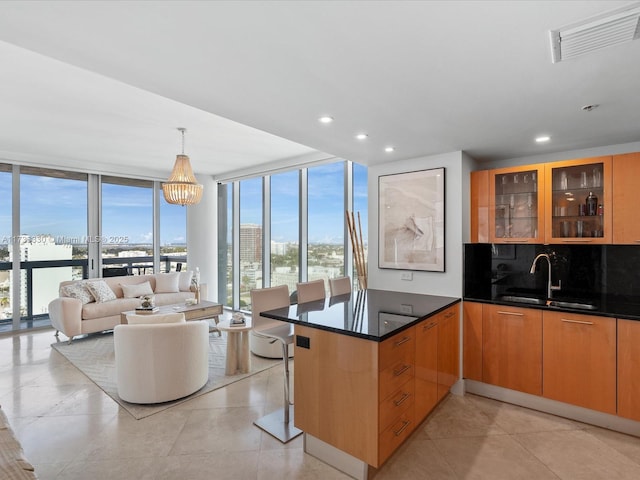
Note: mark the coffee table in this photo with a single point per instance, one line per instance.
(200, 311)
(238, 355)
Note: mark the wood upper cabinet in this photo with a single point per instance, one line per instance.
(448, 349)
(516, 204)
(512, 348)
(579, 360)
(628, 368)
(569, 218)
(479, 192)
(472, 341)
(626, 198)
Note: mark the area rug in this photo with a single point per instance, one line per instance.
(93, 356)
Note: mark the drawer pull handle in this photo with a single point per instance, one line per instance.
(566, 320)
(397, 373)
(429, 326)
(449, 315)
(404, 426)
(404, 340)
(517, 314)
(514, 241)
(402, 399)
(576, 240)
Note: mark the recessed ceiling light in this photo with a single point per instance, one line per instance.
(543, 138)
(325, 119)
(389, 149)
(361, 136)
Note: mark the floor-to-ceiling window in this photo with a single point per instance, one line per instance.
(305, 235)
(360, 213)
(127, 226)
(326, 219)
(53, 227)
(250, 238)
(5, 240)
(173, 236)
(285, 224)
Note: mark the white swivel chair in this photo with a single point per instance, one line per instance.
(277, 423)
(339, 286)
(311, 291)
(160, 358)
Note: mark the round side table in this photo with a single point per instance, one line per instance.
(238, 355)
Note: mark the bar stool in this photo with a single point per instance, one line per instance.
(339, 286)
(276, 423)
(310, 291)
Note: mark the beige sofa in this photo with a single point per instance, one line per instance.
(76, 312)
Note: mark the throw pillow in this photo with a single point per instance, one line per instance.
(185, 281)
(154, 318)
(77, 290)
(168, 282)
(136, 290)
(101, 291)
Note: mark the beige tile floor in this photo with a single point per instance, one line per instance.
(71, 430)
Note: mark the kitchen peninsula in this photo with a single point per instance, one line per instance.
(369, 367)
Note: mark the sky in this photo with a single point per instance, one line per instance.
(326, 205)
(58, 207)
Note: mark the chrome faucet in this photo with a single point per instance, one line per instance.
(550, 286)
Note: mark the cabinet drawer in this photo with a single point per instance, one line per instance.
(395, 404)
(393, 377)
(396, 347)
(392, 437)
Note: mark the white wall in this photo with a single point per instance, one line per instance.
(457, 166)
(202, 237)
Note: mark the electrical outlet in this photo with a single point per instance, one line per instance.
(406, 276)
(406, 309)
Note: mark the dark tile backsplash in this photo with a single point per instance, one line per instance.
(585, 271)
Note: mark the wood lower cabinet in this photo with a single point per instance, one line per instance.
(365, 397)
(448, 350)
(628, 369)
(512, 348)
(426, 381)
(437, 359)
(472, 341)
(579, 360)
(626, 198)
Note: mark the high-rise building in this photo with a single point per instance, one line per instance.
(250, 243)
(45, 281)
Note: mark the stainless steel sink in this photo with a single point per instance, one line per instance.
(576, 305)
(542, 301)
(519, 299)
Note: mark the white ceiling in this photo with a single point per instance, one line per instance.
(103, 85)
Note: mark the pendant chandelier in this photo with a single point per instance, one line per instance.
(182, 187)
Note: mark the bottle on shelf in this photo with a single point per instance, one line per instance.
(592, 204)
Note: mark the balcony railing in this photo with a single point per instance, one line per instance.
(121, 265)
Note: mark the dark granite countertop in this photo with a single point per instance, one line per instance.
(370, 314)
(603, 305)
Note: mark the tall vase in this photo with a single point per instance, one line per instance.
(198, 294)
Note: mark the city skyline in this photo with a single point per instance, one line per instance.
(58, 207)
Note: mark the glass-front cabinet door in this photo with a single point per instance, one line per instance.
(516, 196)
(579, 209)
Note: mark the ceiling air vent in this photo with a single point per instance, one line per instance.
(604, 30)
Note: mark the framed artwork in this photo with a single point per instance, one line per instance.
(411, 220)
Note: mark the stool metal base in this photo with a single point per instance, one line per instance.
(274, 425)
